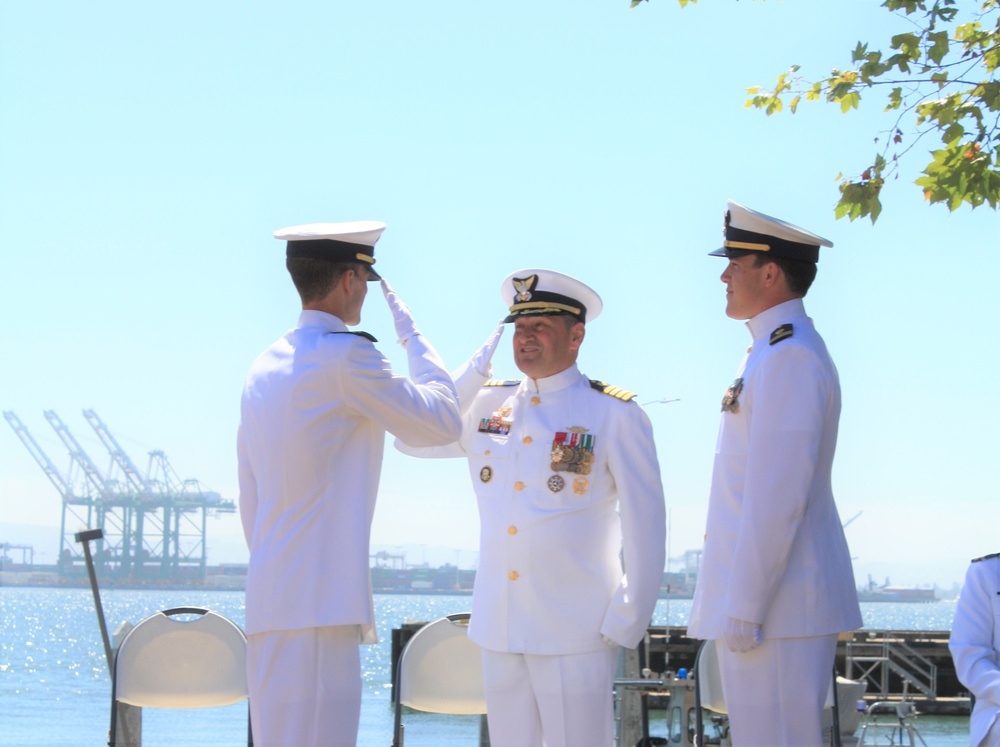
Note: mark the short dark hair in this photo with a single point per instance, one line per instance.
(798, 273)
(314, 278)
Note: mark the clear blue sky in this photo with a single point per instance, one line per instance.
(148, 152)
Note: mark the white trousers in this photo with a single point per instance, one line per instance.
(305, 687)
(992, 738)
(775, 693)
(535, 700)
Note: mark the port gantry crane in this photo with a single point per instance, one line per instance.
(154, 524)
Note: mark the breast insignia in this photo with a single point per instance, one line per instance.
(614, 391)
(987, 557)
(781, 333)
(502, 382)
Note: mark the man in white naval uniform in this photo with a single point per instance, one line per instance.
(776, 583)
(568, 486)
(975, 647)
(315, 409)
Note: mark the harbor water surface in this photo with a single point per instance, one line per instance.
(55, 689)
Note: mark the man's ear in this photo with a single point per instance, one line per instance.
(576, 334)
(772, 274)
(348, 278)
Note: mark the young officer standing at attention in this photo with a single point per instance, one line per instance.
(775, 585)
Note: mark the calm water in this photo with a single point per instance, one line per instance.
(55, 690)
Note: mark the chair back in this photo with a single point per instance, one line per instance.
(169, 663)
(709, 678)
(440, 670)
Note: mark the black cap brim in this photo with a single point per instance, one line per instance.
(730, 253)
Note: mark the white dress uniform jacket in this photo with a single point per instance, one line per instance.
(775, 551)
(315, 409)
(975, 644)
(552, 541)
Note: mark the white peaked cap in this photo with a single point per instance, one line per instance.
(747, 231)
(536, 292)
(351, 241)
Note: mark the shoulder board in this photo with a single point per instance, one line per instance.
(781, 333)
(987, 557)
(502, 382)
(359, 334)
(614, 391)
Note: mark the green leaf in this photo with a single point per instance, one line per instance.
(939, 46)
(895, 98)
(907, 44)
(952, 133)
(850, 101)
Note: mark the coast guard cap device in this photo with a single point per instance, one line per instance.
(351, 241)
(536, 292)
(747, 231)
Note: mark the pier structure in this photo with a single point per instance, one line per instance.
(896, 665)
(153, 523)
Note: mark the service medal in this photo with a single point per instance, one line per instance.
(556, 483)
(580, 485)
(730, 400)
(572, 451)
(496, 424)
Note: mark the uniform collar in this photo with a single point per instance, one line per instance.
(766, 321)
(314, 318)
(552, 383)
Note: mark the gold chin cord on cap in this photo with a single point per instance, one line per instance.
(540, 306)
(749, 246)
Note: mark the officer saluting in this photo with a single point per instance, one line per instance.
(315, 409)
(776, 581)
(568, 485)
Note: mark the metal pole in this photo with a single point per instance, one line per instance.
(84, 538)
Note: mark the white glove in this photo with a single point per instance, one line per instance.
(469, 376)
(480, 360)
(405, 327)
(742, 636)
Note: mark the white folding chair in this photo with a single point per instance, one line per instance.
(165, 662)
(707, 688)
(439, 671)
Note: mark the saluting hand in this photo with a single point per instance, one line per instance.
(403, 320)
(480, 360)
(469, 376)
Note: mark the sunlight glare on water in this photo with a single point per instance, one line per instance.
(55, 689)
